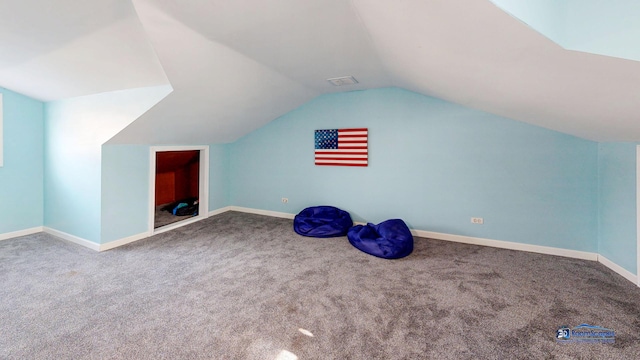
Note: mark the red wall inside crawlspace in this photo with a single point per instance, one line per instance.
(177, 175)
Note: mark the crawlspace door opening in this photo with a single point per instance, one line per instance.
(177, 195)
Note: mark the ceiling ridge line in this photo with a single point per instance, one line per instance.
(223, 44)
(151, 44)
(270, 68)
(372, 43)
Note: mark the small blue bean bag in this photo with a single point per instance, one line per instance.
(390, 239)
(322, 222)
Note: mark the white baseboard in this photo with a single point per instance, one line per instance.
(178, 224)
(219, 211)
(90, 244)
(72, 238)
(114, 244)
(458, 238)
(15, 234)
(547, 250)
(618, 269)
(262, 212)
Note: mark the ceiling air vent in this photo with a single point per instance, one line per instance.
(341, 81)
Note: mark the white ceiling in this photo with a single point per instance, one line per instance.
(236, 65)
(472, 53)
(65, 48)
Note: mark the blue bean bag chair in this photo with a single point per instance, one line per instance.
(322, 222)
(390, 239)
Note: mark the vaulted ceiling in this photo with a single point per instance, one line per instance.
(63, 48)
(236, 65)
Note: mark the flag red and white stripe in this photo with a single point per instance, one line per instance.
(351, 149)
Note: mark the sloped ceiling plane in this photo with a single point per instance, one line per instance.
(236, 65)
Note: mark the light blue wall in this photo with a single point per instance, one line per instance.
(218, 176)
(125, 188)
(608, 28)
(433, 164)
(617, 204)
(548, 17)
(603, 27)
(21, 177)
(75, 130)
(125, 191)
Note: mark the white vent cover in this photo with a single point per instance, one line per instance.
(341, 81)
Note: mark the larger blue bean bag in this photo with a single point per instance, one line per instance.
(322, 222)
(390, 239)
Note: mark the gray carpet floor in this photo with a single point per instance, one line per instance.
(242, 286)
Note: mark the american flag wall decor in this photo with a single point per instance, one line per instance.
(342, 147)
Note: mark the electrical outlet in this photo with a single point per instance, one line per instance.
(478, 221)
(285, 200)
